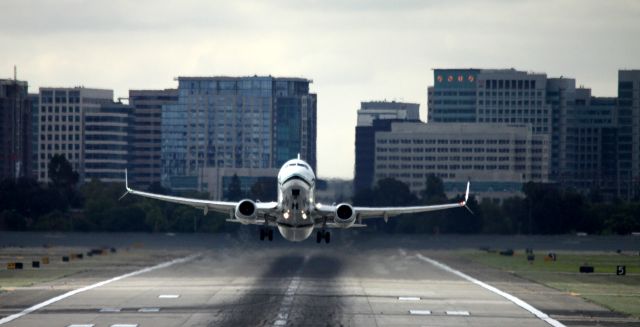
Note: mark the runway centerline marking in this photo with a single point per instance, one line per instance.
(90, 287)
(541, 315)
(287, 301)
(168, 296)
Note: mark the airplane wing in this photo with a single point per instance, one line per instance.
(206, 205)
(386, 212)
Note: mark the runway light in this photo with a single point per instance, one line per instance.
(304, 215)
(285, 215)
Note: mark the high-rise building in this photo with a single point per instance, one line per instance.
(221, 126)
(107, 142)
(375, 116)
(489, 96)
(146, 147)
(15, 129)
(35, 131)
(61, 120)
(628, 133)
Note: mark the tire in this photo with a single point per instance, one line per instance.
(270, 234)
(327, 237)
(318, 237)
(262, 234)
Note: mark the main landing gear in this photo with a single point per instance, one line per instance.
(321, 234)
(266, 233)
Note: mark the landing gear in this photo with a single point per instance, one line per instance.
(266, 233)
(320, 235)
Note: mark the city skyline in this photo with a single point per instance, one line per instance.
(352, 51)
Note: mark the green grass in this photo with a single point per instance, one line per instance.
(22, 278)
(618, 293)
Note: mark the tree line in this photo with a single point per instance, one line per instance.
(544, 209)
(62, 205)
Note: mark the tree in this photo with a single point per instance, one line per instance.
(265, 189)
(234, 193)
(434, 190)
(61, 173)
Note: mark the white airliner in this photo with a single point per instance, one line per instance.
(296, 213)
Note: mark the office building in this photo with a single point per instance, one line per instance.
(628, 133)
(221, 126)
(61, 114)
(375, 116)
(497, 158)
(146, 146)
(594, 140)
(15, 129)
(107, 142)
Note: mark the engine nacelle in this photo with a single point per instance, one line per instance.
(246, 211)
(345, 215)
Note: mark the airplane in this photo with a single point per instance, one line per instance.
(296, 213)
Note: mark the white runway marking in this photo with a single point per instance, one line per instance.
(287, 301)
(168, 296)
(541, 315)
(90, 287)
(420, 312)
(457, 313)
(81, 325)
(110, 310)
(408, 298)
(125, 325)
(149, 310)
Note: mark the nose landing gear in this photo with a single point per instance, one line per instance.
(321, 234)
(266, 233)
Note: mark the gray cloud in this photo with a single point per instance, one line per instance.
(353, 50)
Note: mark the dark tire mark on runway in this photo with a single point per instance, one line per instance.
(319, 301)
(257, 307)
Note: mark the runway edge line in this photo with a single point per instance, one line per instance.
(90, 287)
(541, 315)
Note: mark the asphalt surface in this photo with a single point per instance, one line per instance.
(236, 280)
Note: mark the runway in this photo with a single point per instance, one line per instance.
(346, 283)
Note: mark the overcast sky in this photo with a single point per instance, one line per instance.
(352, 50)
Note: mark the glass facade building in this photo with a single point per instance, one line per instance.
(107, 142)
(146, 147)
(228, 123)
(15, 129)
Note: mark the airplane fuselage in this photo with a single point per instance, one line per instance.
(296, 190)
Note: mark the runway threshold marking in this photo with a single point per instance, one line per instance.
(539, 314)
(420, 312)
(90, 287)
(457, 313)
(408, 298)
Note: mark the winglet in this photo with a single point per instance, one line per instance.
(466, 198)
(126, 185)
(126, 180)
(466, 194)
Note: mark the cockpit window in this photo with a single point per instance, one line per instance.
(303, 165)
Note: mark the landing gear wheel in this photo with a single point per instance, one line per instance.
(327, 237)
(262, 234)
(270, 235)
(318, 237)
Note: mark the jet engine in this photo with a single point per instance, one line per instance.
(345, 215)
(246, 211)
